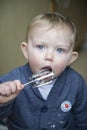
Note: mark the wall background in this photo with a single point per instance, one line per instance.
(14, 18)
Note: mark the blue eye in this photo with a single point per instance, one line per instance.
(60, 50)
(40, 46)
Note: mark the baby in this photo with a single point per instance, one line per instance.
(60, 105)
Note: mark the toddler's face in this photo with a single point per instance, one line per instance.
(49, 48)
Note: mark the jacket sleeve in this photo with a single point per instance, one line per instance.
(6, 109)
(80, 107)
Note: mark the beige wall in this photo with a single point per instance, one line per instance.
(81, 63)
(14, 18)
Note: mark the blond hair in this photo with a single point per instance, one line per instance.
(53, 19)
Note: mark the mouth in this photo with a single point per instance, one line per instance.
(47, 68)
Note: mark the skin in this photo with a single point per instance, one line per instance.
(45, 48)
(49, 47)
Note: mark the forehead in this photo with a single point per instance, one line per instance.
(43, 28)
(48, 24)
(60, 35)
(51, 20)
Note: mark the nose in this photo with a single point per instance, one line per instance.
(49, 55)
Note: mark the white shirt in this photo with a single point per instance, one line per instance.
(45, 89)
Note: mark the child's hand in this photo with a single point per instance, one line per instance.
(9, 90)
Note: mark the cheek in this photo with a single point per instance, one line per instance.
(59, 66)
(34, 61)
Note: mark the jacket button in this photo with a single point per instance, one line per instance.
(44, 109)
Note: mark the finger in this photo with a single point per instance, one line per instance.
(3, 89)
(10, 88)
(19, 85)
(13, 87)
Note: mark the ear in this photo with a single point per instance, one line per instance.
(73, 57)
(24, 49)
